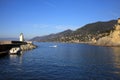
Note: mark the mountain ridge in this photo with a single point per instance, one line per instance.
(82, 34)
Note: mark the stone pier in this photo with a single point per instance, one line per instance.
(5, 46)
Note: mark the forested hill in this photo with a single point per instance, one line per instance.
(86, 33)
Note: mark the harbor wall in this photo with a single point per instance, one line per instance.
(5, 46)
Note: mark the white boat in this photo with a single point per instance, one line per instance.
(14, 50)
(54, 46)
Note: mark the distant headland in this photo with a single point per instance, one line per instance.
(98, 33)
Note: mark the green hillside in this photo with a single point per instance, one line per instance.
(84, 34)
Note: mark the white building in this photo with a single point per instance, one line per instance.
(21, 37)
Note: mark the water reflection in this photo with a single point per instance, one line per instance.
(66, 62)
(16, 58)
(116, 56)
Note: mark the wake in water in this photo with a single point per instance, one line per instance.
(53, 46)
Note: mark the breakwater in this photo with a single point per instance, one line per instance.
(5, 46)
(27, 46)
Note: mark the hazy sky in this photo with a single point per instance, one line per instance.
(42, 17)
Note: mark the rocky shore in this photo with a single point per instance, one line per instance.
(113, 39)
(27, 46)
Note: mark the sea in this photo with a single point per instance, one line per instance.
(62, 61)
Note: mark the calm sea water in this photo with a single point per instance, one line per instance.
(65, 62)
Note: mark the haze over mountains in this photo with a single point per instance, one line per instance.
(86, 33)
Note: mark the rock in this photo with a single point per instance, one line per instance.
(113, 39)
(27, 46)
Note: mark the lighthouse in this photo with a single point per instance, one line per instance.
(21, 37)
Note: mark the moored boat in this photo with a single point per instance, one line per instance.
(14, 50)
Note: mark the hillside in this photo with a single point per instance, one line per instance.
(52, 37)
(84, 34)
(96, 30)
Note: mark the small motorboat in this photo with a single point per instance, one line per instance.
(14, 50)
(54, 46)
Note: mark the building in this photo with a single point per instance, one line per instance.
(21, 37)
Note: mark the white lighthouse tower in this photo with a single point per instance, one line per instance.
(21, 37)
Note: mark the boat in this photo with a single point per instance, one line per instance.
(54, 46)
(14, 50)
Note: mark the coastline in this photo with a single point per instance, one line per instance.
(94, 44)
(27, 46)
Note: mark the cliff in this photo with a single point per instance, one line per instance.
(113, 39)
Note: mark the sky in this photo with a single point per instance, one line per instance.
(43, 17)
